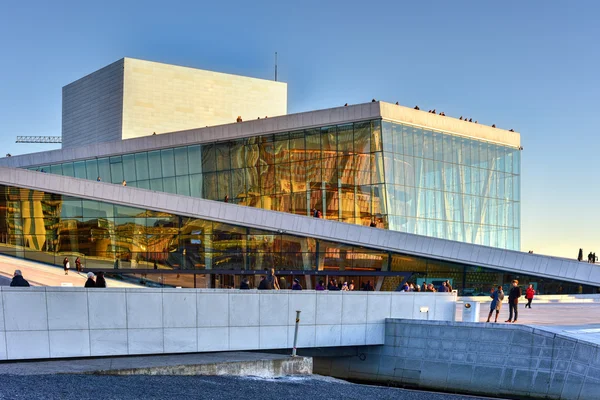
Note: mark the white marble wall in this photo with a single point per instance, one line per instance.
(54, 322)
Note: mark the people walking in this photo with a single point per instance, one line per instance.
(90, 283)
(66, 265)
(513, 301)
(18, 280)
(78, 265)
(497, 297)
(529, 293)
(100, 281)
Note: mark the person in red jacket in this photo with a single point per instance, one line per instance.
(529, 293)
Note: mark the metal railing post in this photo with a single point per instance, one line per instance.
(296, 333)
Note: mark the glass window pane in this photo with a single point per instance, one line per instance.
(209, 162)
(68, 169)
(154, 164)
(195, 159)
(79, 170)
(181, 161)
(237, 154)
(196, 185)
(376, 136)
(297, 148)
(313, 144)
(141, 166)
(168, 163)
(222, 156)
(387, 138)
(56, 169)
(129, 168)
(328, 141)
(281, 149)
(169, 185)
(104, 169)
(345, 139)
(116, 169)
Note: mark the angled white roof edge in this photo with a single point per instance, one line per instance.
(290, 122)
(374, 238)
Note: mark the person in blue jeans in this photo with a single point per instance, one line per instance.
(513, 301)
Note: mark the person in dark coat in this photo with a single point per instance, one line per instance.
(368, 287)
(90, 283)
(497, 298)
(264, 284)
(443, 288)
(296, 285)
(513, 301)
(100, 281)
(580, 255)
(18, 280)
(78, 265)
(320, 285)
(245, 285)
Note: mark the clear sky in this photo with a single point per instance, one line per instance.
(528, 65)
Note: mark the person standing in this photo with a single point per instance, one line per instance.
(245, 285)
(272, 279)
(351, 286)
(18, 280)
(513, 301)
(66, 265)
(449, 286)
(443, 288)
(580, 255)
(320, 286)
(90, 283)
(100, 281)
(497, 297)
(296, 285)
(78, 265)
(529, 293)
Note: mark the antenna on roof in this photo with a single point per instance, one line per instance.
(275, 66)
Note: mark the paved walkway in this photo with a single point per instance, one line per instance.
(38, 274)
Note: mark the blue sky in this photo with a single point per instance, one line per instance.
(532, 66)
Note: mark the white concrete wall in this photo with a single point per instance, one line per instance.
(54, 322)
(92, 107)
(163, 98)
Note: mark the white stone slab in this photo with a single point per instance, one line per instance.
(181, 340)
(306, 336)
(329, 335)
(108, 342)
(273, 337)
(1, 313)
(25, 311)
(329, 308)
(144, 310)
(306, 302)
(244, 338)
(354, 335)
(213, 309)
(37, 344)
(403, 305)
(3, 355)
(213, 339)
(107, 309)
(179, 309)
(69, 343)
(75, 302)
(379, 306)
(273, 308)
(243, 310)
(354, 308)
(375, 334)
(145, 341)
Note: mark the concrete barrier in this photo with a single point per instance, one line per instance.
(61, 322)
(499, 360)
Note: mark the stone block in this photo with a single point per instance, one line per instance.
(556, 384)
(329, 310)
(212, 309)
(108, 342)
(541, 383)
(180, 309)
(584, 353)
(459, 376)
(331, 335)
(561, 365)
(244, 338)
(387, 366)
(306, 335)
(354, 335)
(107, 309)
(145, 341)
(144, 310)
(69, 343)
(523, 380)
(25, 311)
(213, 339)
(244, 311)
(375, 334)
(522, 338)
(77, 304)
(578, 368)
(544, 364)
(37, 344)
(590, 389)
(572, 386)
(354, 308)
(181, 340)
(434, 374)
(274, 337)
(487, 378)
(378, 307)
(417, 343)
(307, 303)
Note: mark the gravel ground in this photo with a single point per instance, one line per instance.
(182, 387)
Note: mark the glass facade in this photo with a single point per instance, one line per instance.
(451, 187)
(401, 177)
(158, 248)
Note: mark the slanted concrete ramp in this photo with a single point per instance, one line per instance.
(208, 364)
